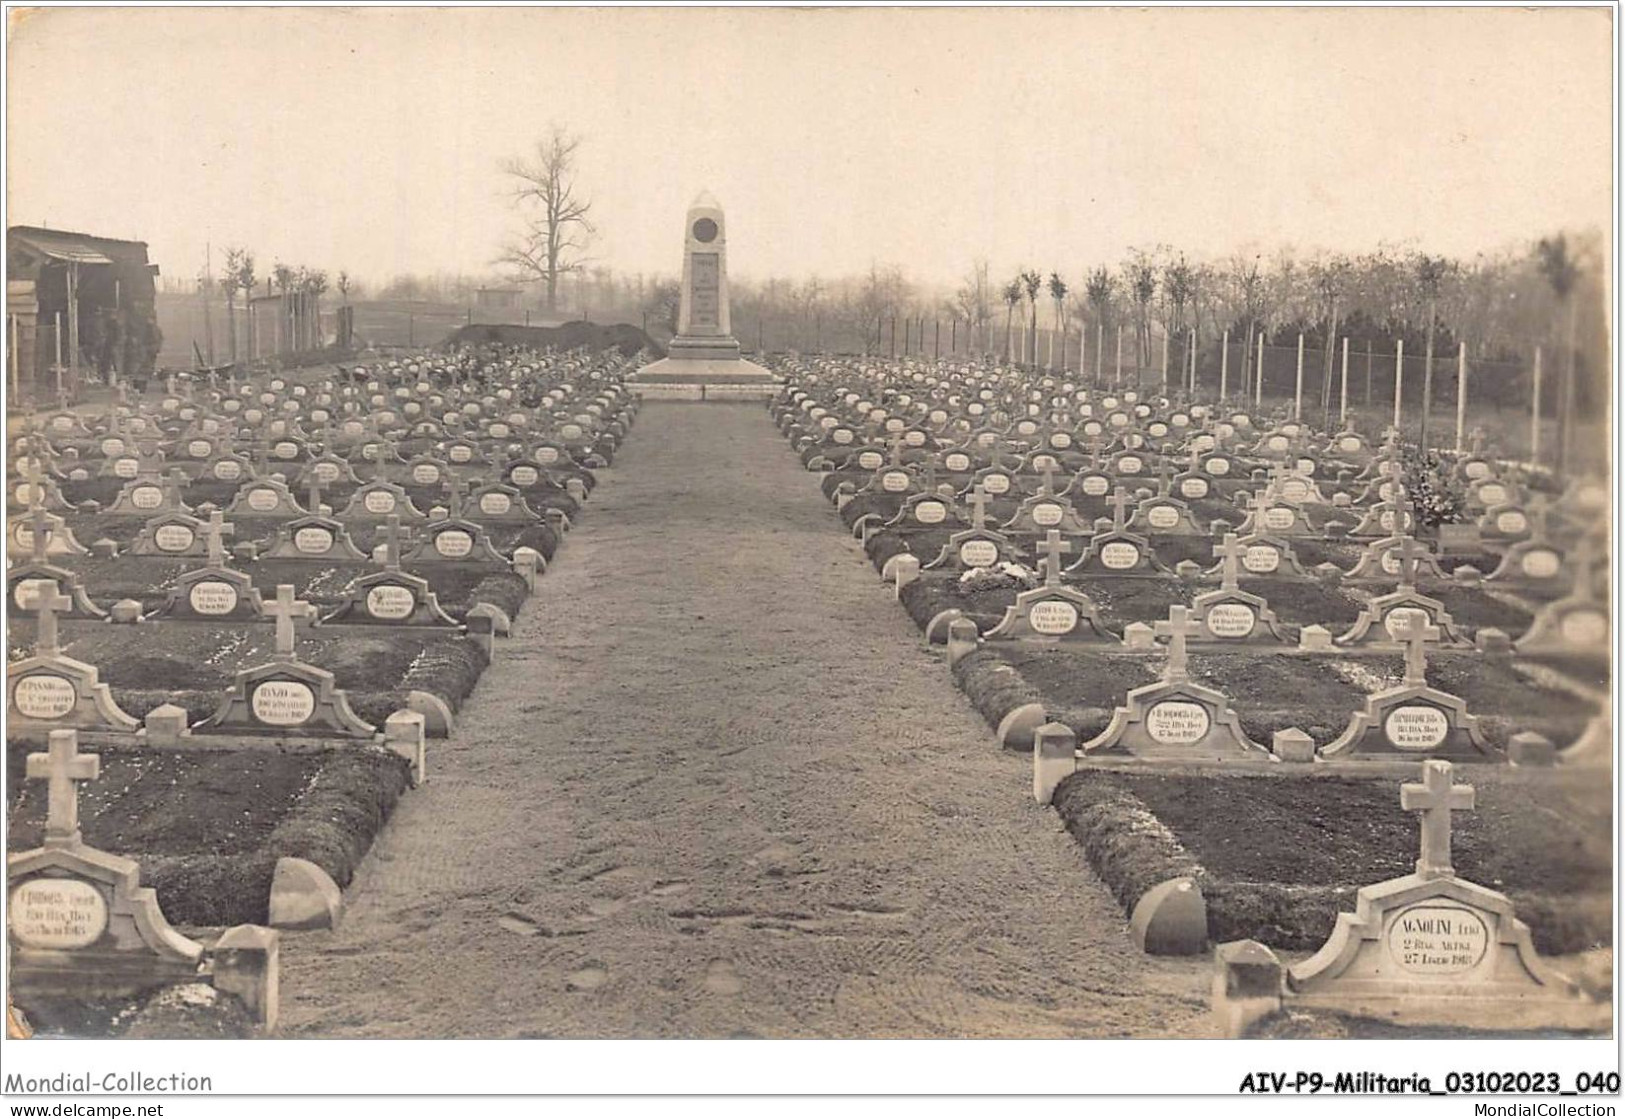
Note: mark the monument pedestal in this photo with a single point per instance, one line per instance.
(703, 362)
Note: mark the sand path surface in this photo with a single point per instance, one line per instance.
(716, 785)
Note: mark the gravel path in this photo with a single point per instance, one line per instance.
(715, 785)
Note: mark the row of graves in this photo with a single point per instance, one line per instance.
(238, 611)
(1210, 626)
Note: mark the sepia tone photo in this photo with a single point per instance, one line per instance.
(766, 523)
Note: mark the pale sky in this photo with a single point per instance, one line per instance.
(369, 139)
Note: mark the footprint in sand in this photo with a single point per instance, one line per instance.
(669, 889)
(589, 978)
(721, 979)
(517, 924)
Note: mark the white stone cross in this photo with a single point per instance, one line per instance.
(1435, 799)
(1231, 552)
(1416, 633)
(214, 534)
(978, 505)
(1119, 502)
(1409, 550)
(1053, 548)
(40, 531)
(62, 767)
(45, 602)
(285, 609)
(1176, 629)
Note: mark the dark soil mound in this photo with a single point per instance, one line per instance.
(629, 340)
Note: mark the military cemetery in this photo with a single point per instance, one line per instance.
(686, 677)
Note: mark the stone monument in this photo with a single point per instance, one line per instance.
(703, 360)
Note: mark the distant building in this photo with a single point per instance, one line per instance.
(92, 296)
(498, 299)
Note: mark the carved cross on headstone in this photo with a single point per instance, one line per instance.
(978, 506)
(47, 600)
(176, 481)
(1435, 799)
(1119, 501)
(1053, 548)
(34, 478)
(1410, 552)
(896, 445)
(62, 767)
(1231, 552)
(930, 474)
(39, 528)
(214, 538)
(1049, 478)
(392, 543)
(1179, 626)
(1582, 558)
(456, 488)
(285, 609)
(1415, 633)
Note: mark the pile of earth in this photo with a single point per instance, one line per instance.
(628, 339)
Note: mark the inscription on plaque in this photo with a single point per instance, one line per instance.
(390, 602)
(26, 593)
(870, 460)
(1511, 522)
(1416, 726)
(425, 474)
(1053, 618)
(313, 540)
(1231, 619)
(1261, 559)
(283, 703)
(379, 501)
(1584, 627)
(1162, 516)
(44, 695)
(978, 553)
(262, 500)
(1279, 517)
(1193, 488)
(126, 468)
(524, 476)
(1400, 618)
(495, 504)
(996, 483)
(200, 448)
(957, 462)
(704, 299)
(210, 596)
(1218, 467)
(1435, 939)
(930, 512)
(453, 543)
(173, 538)
(1541, 563)
(146, 497)
(57, 913)
(894, 481)
(547, 456)
(1119, 555)
(1047, 514)
(327, 472)
(1177, 722)
(1130, 464)
(1096, 485)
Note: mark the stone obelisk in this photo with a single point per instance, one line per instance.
(704, 353)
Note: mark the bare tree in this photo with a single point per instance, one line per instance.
(1012, 296)
(973, 302)
(231, 282)
(1031, 282)
(557, 230)
(1431, 272)
(1562, 272)
(1057, 292)
(1140, 272)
